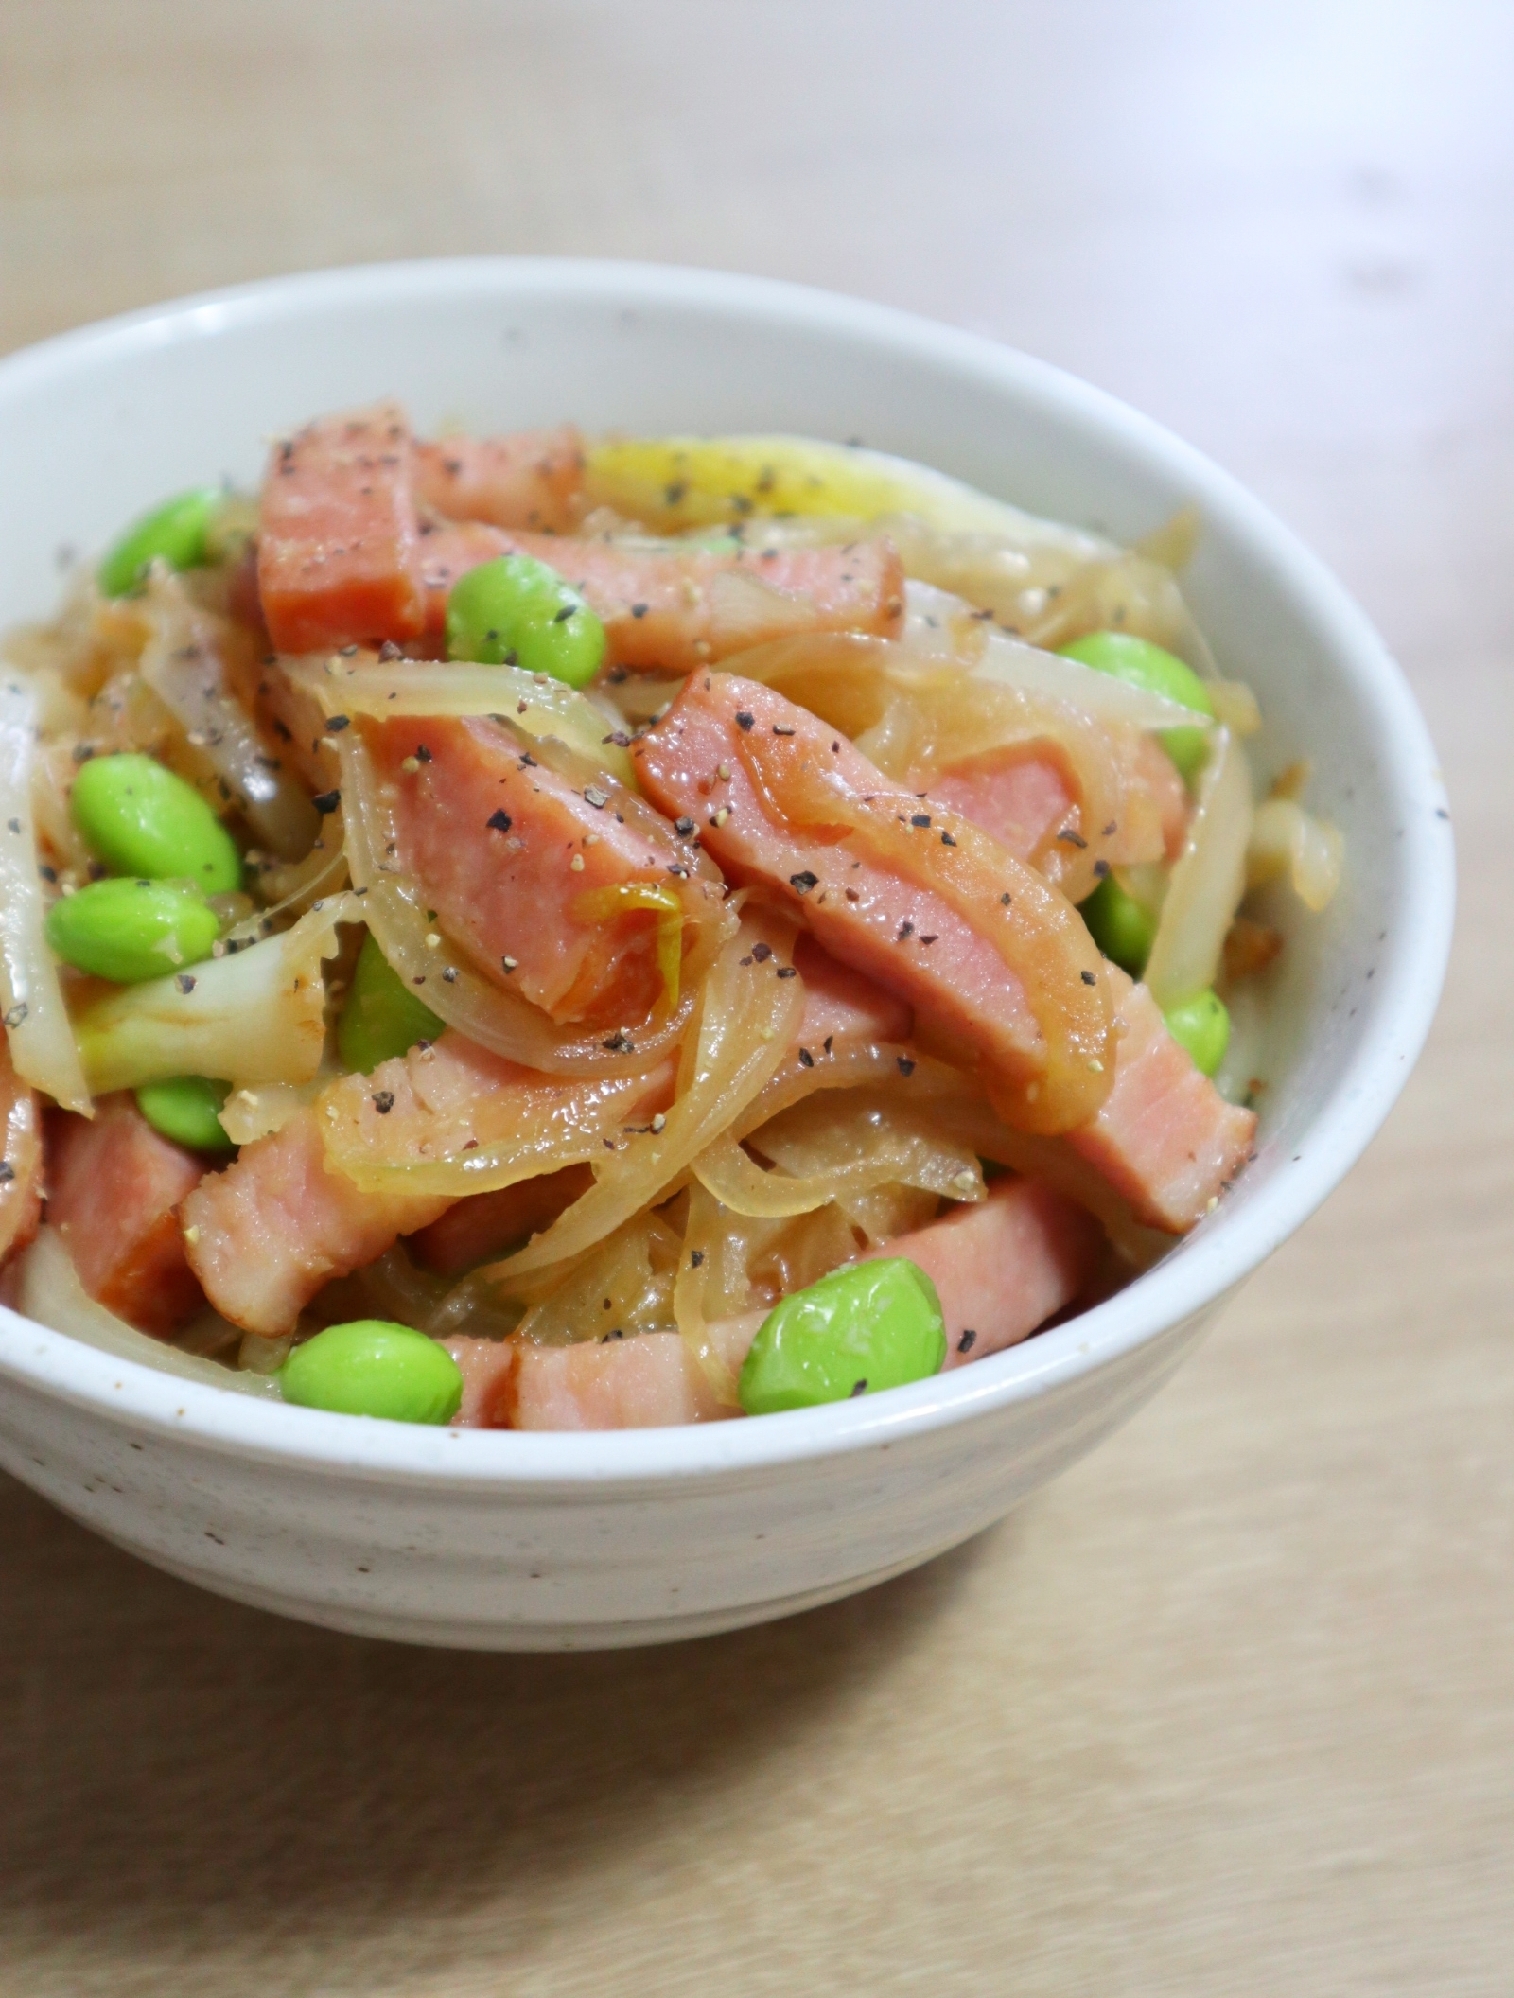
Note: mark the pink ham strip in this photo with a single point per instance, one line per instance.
(267, 1233)
(115, 1194)
(672, 611)
(1165, 1137)
(649, 1382)
(338, 543)
(530, 479)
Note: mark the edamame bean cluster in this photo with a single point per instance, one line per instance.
(166, 851)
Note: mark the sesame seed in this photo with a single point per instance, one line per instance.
(576, 864)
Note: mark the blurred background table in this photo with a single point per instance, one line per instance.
(1230, 1708)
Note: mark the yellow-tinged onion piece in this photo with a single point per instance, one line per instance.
(1207, 880)
(43, 1048)
(676, 483)
(254, 1016)
(601, 904)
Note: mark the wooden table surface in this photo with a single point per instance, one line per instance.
(1230, 1708)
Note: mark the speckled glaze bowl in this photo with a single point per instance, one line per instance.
(516, 1541)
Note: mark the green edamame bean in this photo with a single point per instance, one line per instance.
(1122, 927)
(382, 1017)
(186, 1108)
(515, 611)
(175, 531)
(372, 1367)
(142, 819)
(129, 931)
(859, 1330)
(1202, 1025)
(1143, 664)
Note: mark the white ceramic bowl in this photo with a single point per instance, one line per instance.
(513, 1541)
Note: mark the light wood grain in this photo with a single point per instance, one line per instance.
(1230, 1708)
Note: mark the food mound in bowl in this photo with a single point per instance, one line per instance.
(540, 932)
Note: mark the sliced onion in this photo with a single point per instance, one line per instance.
(1207, 881)
(43, 1049)
(829, 1151)
(52, 1294)
(624, 1288)
(460, 1122)
(251, 1017)
(1048, 676)
(532, 702)
(747, 1019)
(1287, 841)
(184, 664)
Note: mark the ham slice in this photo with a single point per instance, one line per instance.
(1164, 1136)
(280, 1223)
(648, 1382)
(913, 898)
(1023, 797)
(267, 1233)
(482, 1226)
(1003, 1266)
(530, 479)
(115, 1193)
(510, 853)
(670, 611)
(338, 542)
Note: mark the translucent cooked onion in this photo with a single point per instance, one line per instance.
(52, 1294)
(1290, 843)
(827, 1150)
(500, 1021)
(622, 1288)
(460, 1121)
(532, 702)
(251, 1017)
(184, 663)
(747, 1019)
(250, 1113)
(1048, 676)
(1207, 881)
(43, 1048)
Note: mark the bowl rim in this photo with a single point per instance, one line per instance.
(1220, 1254)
